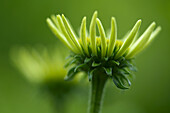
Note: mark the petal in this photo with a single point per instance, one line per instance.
(93, 33)
(54, 19)
(83, 36)
(128, 40)
(153, 35)
(103, 38)
(59, 35)
(139, 44)
(72, 35)
(65, 33)
(113, 37)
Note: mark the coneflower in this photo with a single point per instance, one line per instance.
(101, 57)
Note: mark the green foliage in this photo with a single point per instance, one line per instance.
(117, 70)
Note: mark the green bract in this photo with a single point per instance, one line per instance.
(92, 53)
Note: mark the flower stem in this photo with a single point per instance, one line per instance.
(97, 87)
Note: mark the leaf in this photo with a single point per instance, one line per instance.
(108, 71)
(124, 71)
(123, 76)
(79, 66)
(126, 64)
(127, 80)
(87, 60)
(90, 74)
(78, 57)
(70, 74)
(118, 82)
(133, 68)
(106, 58)
(69, 57)
(124, 79)
(121, 59)
(113, 63)
(70, 62)
(95, 64)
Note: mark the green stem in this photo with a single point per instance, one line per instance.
(97, 88)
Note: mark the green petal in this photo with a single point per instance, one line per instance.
(59, 35)
(72, 35)
(63, 29)
(83, 36)
(139, 44)
(93, 33)
(113, 37)
(54, 19)
(103, 38)
(153, 35)
(128, 40)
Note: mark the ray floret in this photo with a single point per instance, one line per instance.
(139, 44)
(103, 38)
(113, 37)
(83, 36)
(128, 40)
(93, 33)
(71, 33)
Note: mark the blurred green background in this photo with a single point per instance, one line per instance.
(23, 23)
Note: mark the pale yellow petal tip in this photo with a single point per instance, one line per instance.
(97, 20)
(53, 16)
(58, 16)
(153, 24)
(95, 13)
(84, 18)
(159, 28)
(62, 15)
(139, 21)
(113, 19)
(48, 20)
(156, 31)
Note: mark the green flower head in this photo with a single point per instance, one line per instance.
(40, 65)
(108, 54)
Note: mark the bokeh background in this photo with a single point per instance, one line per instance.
(23, 23)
